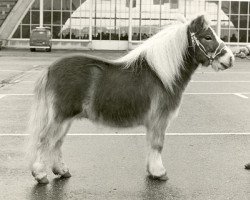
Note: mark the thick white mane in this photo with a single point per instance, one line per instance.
(164, 52)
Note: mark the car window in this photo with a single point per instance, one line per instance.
(39, 35)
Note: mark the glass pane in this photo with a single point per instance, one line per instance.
(243, 21)
(75, 4)
(36, 5)
(47, 17)
(66, 34)
(233, 35)
(35, 16)
(47, 4)
(56, 17)
(25, 31)
(56, 32)
(225, 35)
(234, 20)
(65, 17)
(174, 4)
(84, 34)
(75, 33)
(243, 35)
(234, 7)
(114, 34)
(66, 5)
(57, 4)
(136, 34)
(26, 19)
(95, 35)
(225, 23)
(243, 7)
(105, 35)
(17, 33)
(248, 36)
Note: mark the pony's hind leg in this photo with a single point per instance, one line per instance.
(155, 139)
(58, 166)
(41, 150)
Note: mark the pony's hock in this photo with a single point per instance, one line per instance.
(144, 87)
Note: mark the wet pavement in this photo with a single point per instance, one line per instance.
(205, 149)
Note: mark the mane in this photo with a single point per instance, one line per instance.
(164, 52)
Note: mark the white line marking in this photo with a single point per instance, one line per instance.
(220, 81)
(139, 134)
(241, 95)
(198, 72)
(2, 95)
(193, 81)
(9, 70)
(18, 94)
(214, 93)
(223, 72)
(187, 93)
(20, 81)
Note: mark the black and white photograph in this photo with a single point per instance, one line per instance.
(125, 99)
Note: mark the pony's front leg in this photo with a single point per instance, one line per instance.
(155, 139)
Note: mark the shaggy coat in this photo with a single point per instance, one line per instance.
(142, 88)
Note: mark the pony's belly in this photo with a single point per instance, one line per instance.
(119, 115)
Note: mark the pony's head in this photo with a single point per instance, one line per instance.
(209, 49)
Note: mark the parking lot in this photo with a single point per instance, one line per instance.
(205, 149)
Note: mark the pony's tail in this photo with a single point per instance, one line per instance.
(40, 117)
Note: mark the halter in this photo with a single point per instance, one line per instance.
(211, 58)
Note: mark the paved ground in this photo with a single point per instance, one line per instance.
(205, 150)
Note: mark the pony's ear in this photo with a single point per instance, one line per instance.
(198, 24)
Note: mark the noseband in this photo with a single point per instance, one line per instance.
(196, 42)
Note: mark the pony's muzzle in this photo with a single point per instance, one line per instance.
(230, 63)
(227, 60)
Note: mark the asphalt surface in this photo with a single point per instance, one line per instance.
(205, 150)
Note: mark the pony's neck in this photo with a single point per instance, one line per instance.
(187, 70)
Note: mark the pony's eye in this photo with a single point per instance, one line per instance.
(208, 37)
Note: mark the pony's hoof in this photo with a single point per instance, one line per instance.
(40, 178)
(247, 166)
(66, 175)
(62, 173)
(160, 178)
(43, 180)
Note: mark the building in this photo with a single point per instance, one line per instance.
(115, 24)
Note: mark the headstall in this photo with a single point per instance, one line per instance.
(196, 42)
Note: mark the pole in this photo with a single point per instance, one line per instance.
(130, 22)
(140, 20)
(115, 13)
(219, 19)
(90, 20)
(41, 14)
(185, 9)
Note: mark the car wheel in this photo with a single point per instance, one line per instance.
(49, 49)
(32, 49)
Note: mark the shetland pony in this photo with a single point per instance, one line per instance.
(142, 88)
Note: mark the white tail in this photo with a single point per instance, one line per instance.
(41, 114)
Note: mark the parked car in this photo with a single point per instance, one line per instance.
(40, 38)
